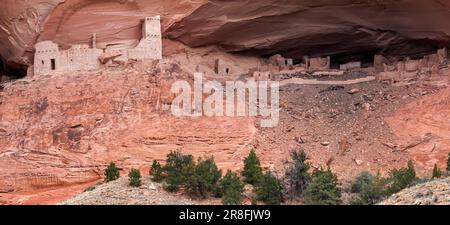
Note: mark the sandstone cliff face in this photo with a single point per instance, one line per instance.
(62, 130)
(423, 127)
(291, 27)
(312, 27)
(19, 26)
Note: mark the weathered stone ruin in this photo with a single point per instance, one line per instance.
(411, 65)
(350, 65)
(281, 62)
(389, 68)
(261, 76)
(443, 56)
(150, 46)
(319, 63)
(408, 68)
(379, 62)
(50, 59)
(222, 67)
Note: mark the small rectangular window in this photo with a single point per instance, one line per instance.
(216, 66)
(53, 63)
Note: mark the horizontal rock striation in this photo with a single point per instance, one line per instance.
(65, 129)
(296, 28)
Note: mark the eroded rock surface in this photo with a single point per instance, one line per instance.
(65, 129)
(422, 128)
(312, 27)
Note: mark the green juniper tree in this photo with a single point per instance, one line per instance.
(370, 190)
(437, 173)
(297, 174)
(156, 171)
(202, 178)
(400, 179)
(448, 164)
(111, 172)
(134, 176)
(178, 167)
(231, 188)
(323, 189)
(269, 190)
(252, 169)
(364, 178)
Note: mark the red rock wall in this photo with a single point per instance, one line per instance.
(65, 129)
(313, 27)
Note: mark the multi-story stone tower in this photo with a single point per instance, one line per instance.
(150, 46)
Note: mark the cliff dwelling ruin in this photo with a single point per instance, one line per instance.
(49, 58)
(384, 68)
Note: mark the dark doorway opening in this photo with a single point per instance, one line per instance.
(11, 71)
(2, 69)
(53, 64)
(366, 59)
(227, 70)
(2, 66)
(216, 66)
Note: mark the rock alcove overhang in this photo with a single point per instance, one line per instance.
(344, 29)
(347, 30)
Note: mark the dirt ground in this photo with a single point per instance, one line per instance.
(350, 132)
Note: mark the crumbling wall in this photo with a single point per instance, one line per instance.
(350, 65)
(409, 69)
(412, 65)
(150, 46)
(49, 59)
(319, 63)
(261, 75)
(222, 67)
(281, 62)
(378, 63)
(443, 56)
(45, 52)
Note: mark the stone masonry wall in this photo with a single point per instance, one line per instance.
(50, 59)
